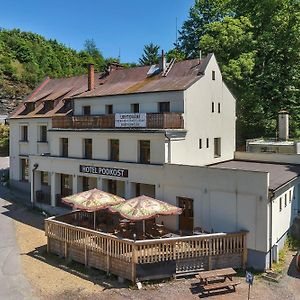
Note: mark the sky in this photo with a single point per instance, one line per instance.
(115, 25)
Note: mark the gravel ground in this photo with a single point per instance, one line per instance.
(52, 278)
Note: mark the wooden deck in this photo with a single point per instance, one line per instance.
(145, 259)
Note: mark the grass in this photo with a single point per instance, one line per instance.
(290, 244)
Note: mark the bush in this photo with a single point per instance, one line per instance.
(4, 139)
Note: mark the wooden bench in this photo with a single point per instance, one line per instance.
(217, 279)
(220, 285)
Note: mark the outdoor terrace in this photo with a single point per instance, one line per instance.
(170, 120)
(147, 258)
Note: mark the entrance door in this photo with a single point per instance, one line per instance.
(186, 219)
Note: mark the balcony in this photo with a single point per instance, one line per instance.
(137, 121)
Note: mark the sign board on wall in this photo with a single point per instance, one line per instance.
(130, 120)
(104, 171)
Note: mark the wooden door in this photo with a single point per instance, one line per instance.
(186, 219)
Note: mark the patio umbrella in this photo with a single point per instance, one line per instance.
(92, 200)
(144, 207)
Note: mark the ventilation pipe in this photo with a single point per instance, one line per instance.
(283, 125)
(91, 77)
(162, 62)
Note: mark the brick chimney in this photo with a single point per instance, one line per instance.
(91, 77)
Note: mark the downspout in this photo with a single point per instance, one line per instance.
(271, 197)
(35, 166)
(169, 148)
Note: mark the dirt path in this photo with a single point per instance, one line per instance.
(52, 278)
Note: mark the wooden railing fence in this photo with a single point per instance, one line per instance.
(143, 251)
(153, 121)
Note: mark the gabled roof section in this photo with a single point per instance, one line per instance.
(119, 81)
(135, 80)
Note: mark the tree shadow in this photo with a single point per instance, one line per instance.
(292, 270)
(24, 215)
(97, 277)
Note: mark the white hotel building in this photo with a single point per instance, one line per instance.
(168, 132)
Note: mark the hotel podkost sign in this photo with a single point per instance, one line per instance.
(116, 172)
(130, 120)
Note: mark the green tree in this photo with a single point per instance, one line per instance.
(202, 13)
(4, 139)
(150, 55)
(257, 45)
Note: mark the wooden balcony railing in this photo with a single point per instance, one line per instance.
(153, 121)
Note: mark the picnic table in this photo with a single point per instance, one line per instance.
(217, 279)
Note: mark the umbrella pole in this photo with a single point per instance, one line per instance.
(144, 227)
(94, 220)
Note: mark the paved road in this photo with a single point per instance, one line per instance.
(13, 284)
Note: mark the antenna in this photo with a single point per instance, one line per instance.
(119, 55)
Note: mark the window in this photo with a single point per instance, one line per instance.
(44, 178)
(112, 186)
(144, 152)
(114, 150)
(285, 200)
(43, 133)
(217, 147)
(109, 109)
(207, 143)
(200, 143)
(219, 107)
(290, 196)
(24, 133)
(88, 148)
(163, 107)
(280, 204)
(135, 108)
(86, 110)
(213, 75)
(137, 189)
(213, 107)
(24, 169)
(66, 185)
(64, 147)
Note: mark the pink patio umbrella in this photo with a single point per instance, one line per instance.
(92, 200)
(144, 207)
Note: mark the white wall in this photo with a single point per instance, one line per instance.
(202, 123)
(128, 143)
(224, 200)
(148, 102)
(24, 149)
(268, 157)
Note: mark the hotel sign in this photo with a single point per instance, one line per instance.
(104, 171)
(130, 120)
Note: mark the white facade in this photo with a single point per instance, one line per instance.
(223, 200)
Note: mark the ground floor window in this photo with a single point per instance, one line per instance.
(44, 178)
(24, 169)
(112, 186)
(66, 185)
